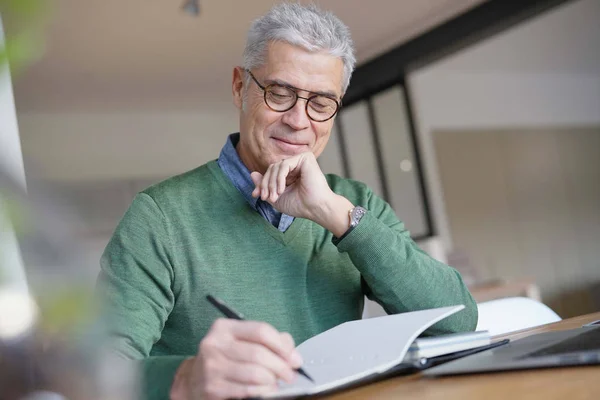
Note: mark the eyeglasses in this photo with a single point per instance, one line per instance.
(280, 98)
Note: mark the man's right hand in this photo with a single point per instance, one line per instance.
(237, 359)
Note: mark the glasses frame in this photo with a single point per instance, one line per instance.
(266, 90)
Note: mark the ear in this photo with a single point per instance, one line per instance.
(237, 86)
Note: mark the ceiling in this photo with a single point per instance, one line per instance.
(116, 55)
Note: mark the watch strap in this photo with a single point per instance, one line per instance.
(355, 215)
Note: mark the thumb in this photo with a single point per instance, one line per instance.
(257, 178)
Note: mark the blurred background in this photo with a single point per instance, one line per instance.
(479, 121)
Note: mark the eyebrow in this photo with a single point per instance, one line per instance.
(283, 83)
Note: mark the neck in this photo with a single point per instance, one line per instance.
(246, 159)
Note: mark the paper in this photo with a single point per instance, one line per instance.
(356, 349)
(445, 344)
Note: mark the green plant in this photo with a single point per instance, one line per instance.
(23, 24)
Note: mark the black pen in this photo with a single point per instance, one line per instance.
(229, 313)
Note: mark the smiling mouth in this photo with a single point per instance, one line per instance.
(289, 148)
(288, 142)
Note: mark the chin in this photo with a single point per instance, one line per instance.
(278, 158)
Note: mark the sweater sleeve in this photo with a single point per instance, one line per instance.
(399, 275)
(135, 291)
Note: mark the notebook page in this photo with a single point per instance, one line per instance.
(356, 349)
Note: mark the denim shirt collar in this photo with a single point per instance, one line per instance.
(232, 165)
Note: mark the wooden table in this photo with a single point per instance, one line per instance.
(557, 383)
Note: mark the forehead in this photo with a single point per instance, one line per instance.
(300, 68)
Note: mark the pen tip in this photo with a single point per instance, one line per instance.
(301, 371)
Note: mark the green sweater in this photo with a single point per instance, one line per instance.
(195, 234)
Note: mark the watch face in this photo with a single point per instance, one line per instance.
(357, 214)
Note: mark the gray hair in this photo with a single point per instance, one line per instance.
(305, 26)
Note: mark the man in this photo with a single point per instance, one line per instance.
(264, 230)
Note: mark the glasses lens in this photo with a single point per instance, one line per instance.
(321, 108)
(280, 98)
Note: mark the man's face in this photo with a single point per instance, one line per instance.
(268, 136)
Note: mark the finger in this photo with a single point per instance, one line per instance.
(282, 176)
(223, 389)
(273, 193)
(250, 374)
(257, 178)
(286, 337)
(264, 185)
(294, 357)
(293, 170)
(253, 391)
(250, 353)
(265, 334)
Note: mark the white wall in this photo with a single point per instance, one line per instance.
(526, 203)
(453, 100)
(11, 161)
(87, 147)
(525, 77)
(476, 100)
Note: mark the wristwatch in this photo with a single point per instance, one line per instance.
(356, 215)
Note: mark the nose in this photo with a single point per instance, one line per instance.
(296, 117)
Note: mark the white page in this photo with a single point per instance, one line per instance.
(356, 349)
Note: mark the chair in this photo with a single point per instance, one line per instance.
(512, 314)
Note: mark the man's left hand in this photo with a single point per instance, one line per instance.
(296, 186)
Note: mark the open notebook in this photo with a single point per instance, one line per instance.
(358, 349)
